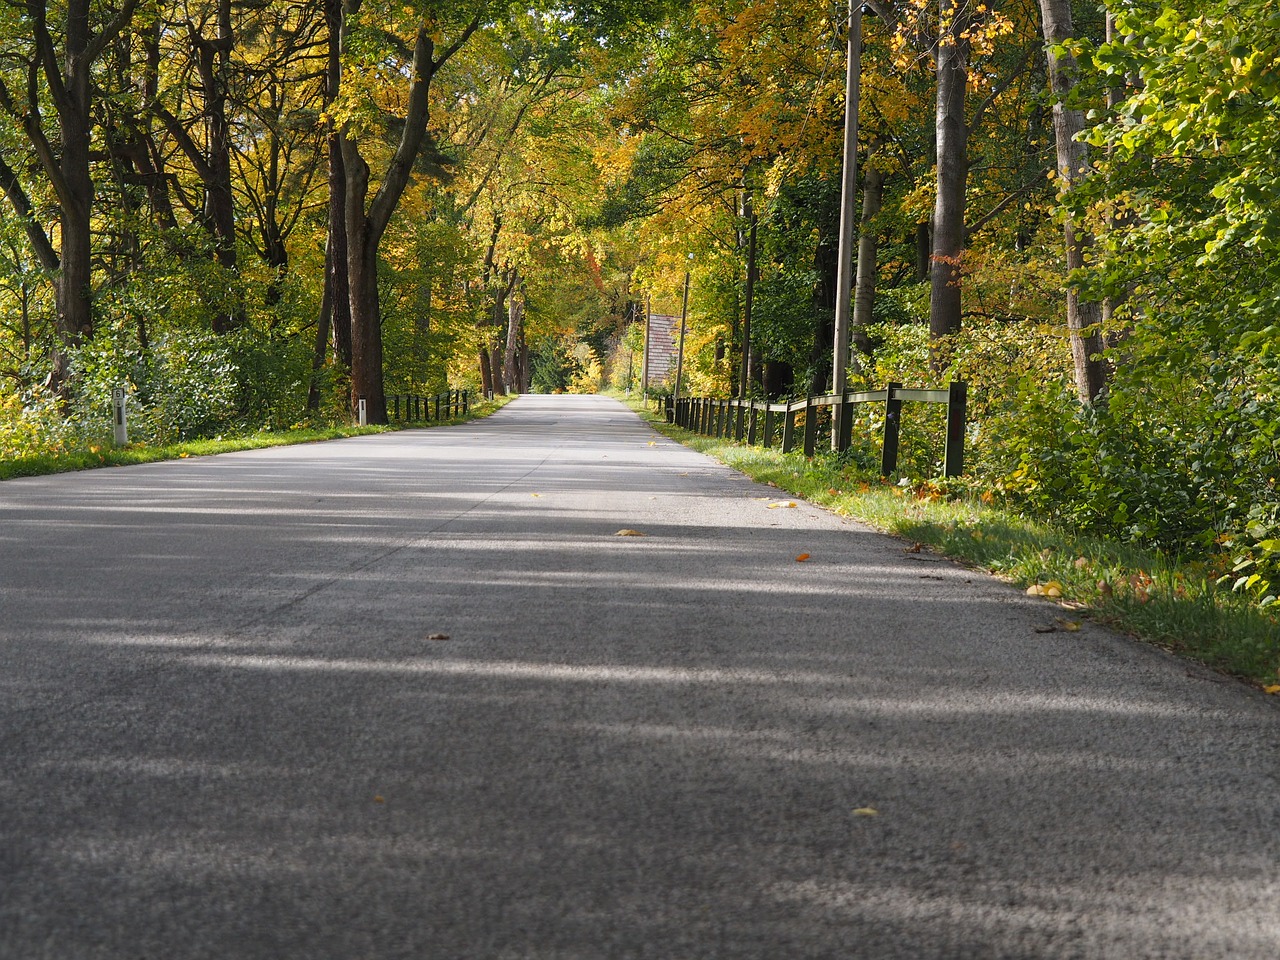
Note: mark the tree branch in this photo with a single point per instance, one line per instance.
(36, 234)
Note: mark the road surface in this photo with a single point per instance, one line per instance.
(411, 696)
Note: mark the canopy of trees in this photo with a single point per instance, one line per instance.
(253, 213)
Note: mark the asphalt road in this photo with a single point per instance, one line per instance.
(229, 727)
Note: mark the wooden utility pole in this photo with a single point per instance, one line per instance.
(684, 316)
(644, 367)
(848, 199)
(745, 375)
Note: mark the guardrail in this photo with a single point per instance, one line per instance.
(757, 422)
(414, 408)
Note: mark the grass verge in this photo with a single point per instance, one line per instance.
(1175, 605)
(107, 455)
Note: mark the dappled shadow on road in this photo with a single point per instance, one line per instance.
(235, 736)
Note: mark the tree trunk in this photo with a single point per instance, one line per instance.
(366, 225)
(74, 186)
(64, 160)
(1084, 318)
(826, 260)
(220, 213)
(952, 129)
(486, 373)
(924, 248)
(515, 326)
(362, 279)
(1113, 337)
(526, 375)
(495, 367)
(335, 309)
(864, 295)
(320, 350)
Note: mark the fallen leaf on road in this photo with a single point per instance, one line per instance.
(535, 494)
(379, 799)
(629, 533)
(653, 443)
(1071, 626)
(438, 636)
(866, 812)
(781, 504)
(914, 548)
(1046, 628)
(1274, 688)
(802, 558)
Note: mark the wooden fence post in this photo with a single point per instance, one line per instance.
(957, 404)
(892, 424)
(810, 429)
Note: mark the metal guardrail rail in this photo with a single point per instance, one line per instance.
(755, 421)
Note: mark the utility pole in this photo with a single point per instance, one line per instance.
(745, 376)
(644, 364)
(848, 195)
(684, 316)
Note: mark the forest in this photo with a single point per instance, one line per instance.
(249, 213)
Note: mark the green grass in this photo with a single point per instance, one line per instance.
(1177, 606)
(108, 455)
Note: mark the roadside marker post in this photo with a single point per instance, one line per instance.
(119, 419)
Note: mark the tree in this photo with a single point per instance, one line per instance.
(64, 158)
(416, 65)
(1084, 317)
(952, 60)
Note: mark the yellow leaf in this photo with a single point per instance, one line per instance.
(1274, 688)
(379, 799)
(629, 533)
(866, 812)
(1071, 626)
(802, 558)
(535, 494)
(653, 443)
(183, 456)
(782, 504)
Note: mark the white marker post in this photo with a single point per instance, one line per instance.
(361, 415)
(118, 418)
